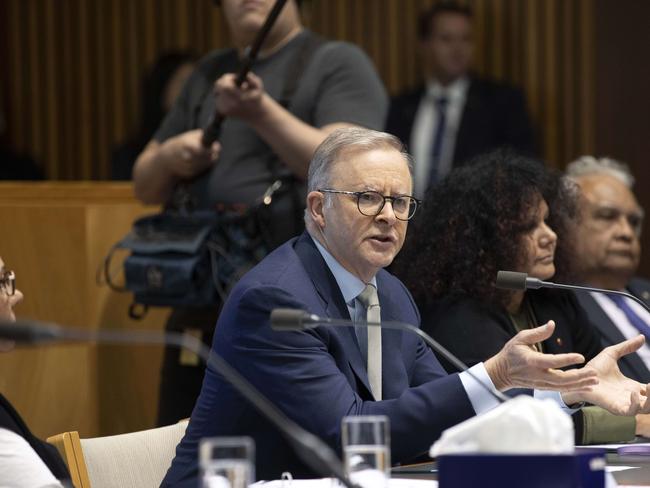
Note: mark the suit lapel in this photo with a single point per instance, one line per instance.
(600, 319)
(610, 332)
(333, 303)
(639, 290)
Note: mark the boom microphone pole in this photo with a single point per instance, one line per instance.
(212, 130)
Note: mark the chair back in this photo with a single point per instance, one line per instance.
(133, 460)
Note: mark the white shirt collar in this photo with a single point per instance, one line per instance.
(454, 90)
(350, 285)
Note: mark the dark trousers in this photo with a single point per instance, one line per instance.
(182, 373)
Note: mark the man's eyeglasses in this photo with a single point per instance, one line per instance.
(8, 282)
(371, 203)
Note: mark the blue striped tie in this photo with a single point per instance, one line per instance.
(631, 315)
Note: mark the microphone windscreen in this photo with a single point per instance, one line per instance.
(287, 319)
(511, 280)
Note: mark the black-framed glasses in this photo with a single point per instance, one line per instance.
(8, 282)
(371, 203)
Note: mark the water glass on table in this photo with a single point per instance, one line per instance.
(366, 448)
(227, 462)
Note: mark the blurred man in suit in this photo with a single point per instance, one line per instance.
(608, 250)
(455, 115)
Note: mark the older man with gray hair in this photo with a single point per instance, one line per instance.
(608, 250)
(358, 208)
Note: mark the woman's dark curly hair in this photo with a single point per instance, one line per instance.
(473, 223)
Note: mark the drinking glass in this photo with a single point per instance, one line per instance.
(227, 462)
(366, 447)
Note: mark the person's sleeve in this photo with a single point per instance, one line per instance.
(20, 464)
(595, 425)
(297, 372)
(476, 385)
(350, 89)
(556, 396)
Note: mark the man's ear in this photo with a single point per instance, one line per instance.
(315, 206)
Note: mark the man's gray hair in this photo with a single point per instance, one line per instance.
(588, 165)
(348, 140)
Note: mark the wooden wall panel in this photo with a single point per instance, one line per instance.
(622, 109)
(60, 233)
(53, 388)
(72, 89)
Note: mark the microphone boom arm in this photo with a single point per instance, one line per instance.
(312, 451)
(515, 280)
(536, 283)
(435, 345)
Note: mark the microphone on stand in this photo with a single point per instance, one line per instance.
(512, 280)
(288, 319)
(308, 447)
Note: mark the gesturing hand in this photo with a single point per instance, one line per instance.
(519, 365)
(615, 392)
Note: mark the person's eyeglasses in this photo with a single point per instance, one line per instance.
(371, 203)
(8, 282)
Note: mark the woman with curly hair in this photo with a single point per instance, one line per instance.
(502, 212)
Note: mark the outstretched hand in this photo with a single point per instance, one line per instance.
(615, 392)
(519, 365)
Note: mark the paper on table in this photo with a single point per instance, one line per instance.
(615, 446)
(331, 483)
(613, 469)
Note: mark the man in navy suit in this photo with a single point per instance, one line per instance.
(608, 251)
(358, 206)
(456, 115)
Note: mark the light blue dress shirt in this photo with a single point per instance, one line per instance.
(351, 286)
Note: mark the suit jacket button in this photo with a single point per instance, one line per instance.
(559, 341)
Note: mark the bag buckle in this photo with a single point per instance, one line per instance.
(267, 198)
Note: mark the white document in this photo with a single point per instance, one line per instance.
(332, 483)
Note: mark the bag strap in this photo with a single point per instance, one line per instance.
(228, 62)
(104, 271)
(293, 76)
